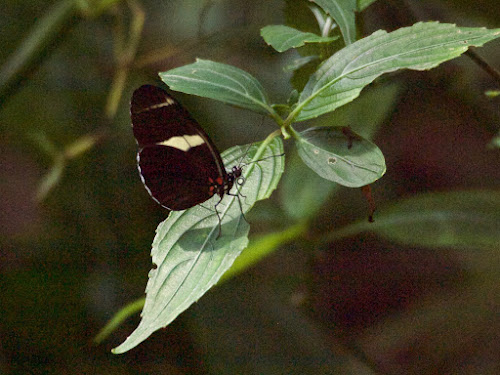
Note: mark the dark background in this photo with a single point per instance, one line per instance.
(71, 260)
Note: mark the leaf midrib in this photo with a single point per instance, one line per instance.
(345, 74)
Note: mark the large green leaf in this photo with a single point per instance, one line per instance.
(461, 219)
(282, 37)
(342, 11)
(366, 114)
(218, 81)
(422, 46)
(189, 255)
(338, 154)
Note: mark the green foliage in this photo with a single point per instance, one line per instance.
(190, 255)
(303, 191)
(220, 82)
(462, 220)
(422, 46)
(458, 219)
(282, 37)
(363, 4)
(492, 93)
(340, 155)
(342, 11)
(77, 223)
(193, 248)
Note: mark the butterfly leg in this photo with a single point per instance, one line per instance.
(237, 195)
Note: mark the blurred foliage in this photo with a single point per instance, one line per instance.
(361, 304)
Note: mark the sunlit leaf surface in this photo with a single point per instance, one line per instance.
(422, 46)
(340, 155)
(189, 255)
(218, 81)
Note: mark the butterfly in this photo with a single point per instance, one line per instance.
(178, 162)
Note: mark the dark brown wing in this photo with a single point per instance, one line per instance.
(178, 162)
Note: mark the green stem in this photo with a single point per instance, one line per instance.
(262, 247)
(326, 27)
(127, 311)
(43, 36)
(347, 231)
(275, 116)
(125, 57)
(263, 146)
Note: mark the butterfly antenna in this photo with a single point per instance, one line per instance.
(267, 157)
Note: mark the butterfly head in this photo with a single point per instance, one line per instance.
(234, 175)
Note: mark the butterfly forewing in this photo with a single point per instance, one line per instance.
(178, 162)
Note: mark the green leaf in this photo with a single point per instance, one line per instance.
(363, 4)
(340, 155)
(495, 142)
(458, 219)
(117, 320)
(299, 15)
(462, 219)
(300, 62)
(366, 114)
(302, 191)
(282, 38)
(422, 46)
(51, 178)
(302, 74)
(492, 93)
(218, 81)
(342, 11)
(189, 256)
(292, 98)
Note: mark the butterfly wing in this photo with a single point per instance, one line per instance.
(178, 162)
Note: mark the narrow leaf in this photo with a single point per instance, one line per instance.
(363, 4)
(218, 81)
(492, 93)
(340, 155)
(458, 219)
(342, 11)
(51, 178)
(422, 46)
(300, 62)
(495, 142)
(188, 255)
(462, 219)
(282, 38)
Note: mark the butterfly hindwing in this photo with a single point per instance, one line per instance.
(178, 162)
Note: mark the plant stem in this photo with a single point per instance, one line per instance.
(44, 35)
